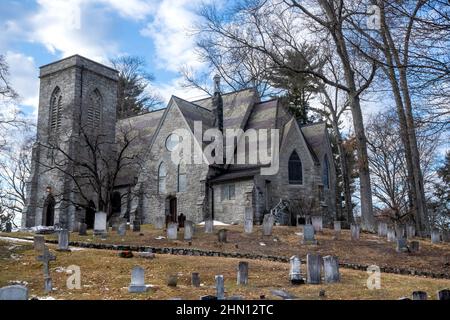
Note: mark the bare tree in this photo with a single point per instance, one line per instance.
(271, 28)
(6, 91)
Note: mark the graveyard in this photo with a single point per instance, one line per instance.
(265, 262)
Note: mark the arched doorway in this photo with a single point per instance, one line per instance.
(171, 209)
(116, 204)
(90, 215)
(48, 217)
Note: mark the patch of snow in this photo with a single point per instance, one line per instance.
(18, 282)
(262, 244)
(45, 298)
(160, 238)
(299, 233)
(215, 222)
(15, 239)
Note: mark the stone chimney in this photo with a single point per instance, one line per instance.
(218, 103)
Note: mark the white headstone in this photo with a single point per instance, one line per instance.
(331, 269)
(248, 226)
(337, 226)
(294, 272)
(172, 231)
(209, 226)
(317, 223)
(63, 240)
(268, 224)
(382, 229)
(159, 222)
(137, 284)
(100, 223)
(390, 234)
(435, 236)
(188, 230)
(354, 229)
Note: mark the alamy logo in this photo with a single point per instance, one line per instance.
(374, 279)
(234, 146)
(74, 280)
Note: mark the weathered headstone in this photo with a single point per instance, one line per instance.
(63, 240)
(308, 234)
(83, 229)
(382, 229)
(222, 236)
(331, 269)
(317, 223)
(39, 243)
(313, 266)
(337, 226)
(242, 273)
(188, 230)
(390, 234)
(195, 279)
(8, 226)
(159, 222)
(172, 231)
(137, 284)
(14, 292)
(294, 272)
(444, 295)
(402, 245)
(268, 222)
(414, 246)
(354, 229)
(400, 231)
(435, 236)
(220, 287)
(419, 295)
(122, 229)
(100, 223)
(209, 226)
(410, 231)
(45, 258)
(248, 225)
(136, 226)
(172, 280)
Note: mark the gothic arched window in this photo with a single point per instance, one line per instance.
(181, 177)
(295, 169)
(94, 109)
(325, 173)
(162, 174)
(55, 111)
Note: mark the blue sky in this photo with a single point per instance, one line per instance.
(36, 32)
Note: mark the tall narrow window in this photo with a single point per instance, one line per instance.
(181, 177)
(295, 169)
(55, 111)
(228, 192)
(94, 109)
(162, 174)
(325, 173)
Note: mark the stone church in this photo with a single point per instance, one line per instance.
(77, 91)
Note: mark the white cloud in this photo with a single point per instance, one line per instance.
(24, 78)
(174, 87)
(170, 31)
(131, 9)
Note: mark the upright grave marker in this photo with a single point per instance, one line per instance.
(313, 267)
(14, 292)
(268, 222)
(172, 231)
(331, 269)
(137, 284)
(45, 258)
(242, 274)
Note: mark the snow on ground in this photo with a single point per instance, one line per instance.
(216, 223)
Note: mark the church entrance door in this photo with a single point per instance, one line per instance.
(173, 209)
(49, 211)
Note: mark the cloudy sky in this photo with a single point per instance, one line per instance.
(36, 32)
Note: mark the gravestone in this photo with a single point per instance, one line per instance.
(223, 235)
(410, 231)
(76, 226)
(419, 295)
(414, 246)
(317, 223)
(242, 274)
(188, 230)
(39, 243)
(208, 298)
(382, 229)
(308, 234)
(337, 226)
(444, 295)
(294, 272)
(63, 240)
(354, 229)
(172, 231)
(137, 284)
(313, 266)
(248, 225)
(220, 287)
(15, 292)
(400, 231)
(331, 269)
(172, 280)
(390, 234)
(136, 226)
(8, 227)
(159, 222)
(195, 279)
(402, 245)
(83, 229)
(209, 226)
(268, 222)
(100, 223)
(435, 236)
(45, 258)
(122, 229)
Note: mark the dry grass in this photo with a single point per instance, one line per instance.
(106, 276)
(369, 250)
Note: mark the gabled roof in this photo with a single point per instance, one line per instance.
(315, 135)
